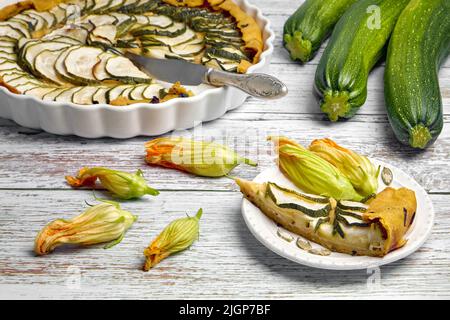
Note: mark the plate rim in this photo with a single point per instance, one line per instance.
(323, 262)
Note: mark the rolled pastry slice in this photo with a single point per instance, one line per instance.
(348, 227)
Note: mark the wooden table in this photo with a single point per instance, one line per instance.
(227, 262)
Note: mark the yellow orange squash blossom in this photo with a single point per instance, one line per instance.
(105, 222)
(311, 173)
(179, 235)
(358, 169)
(121, 184)
(198, 157)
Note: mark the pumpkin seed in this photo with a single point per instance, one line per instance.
(320, 252)
(284, 235)
(387, 176)
(303, 244)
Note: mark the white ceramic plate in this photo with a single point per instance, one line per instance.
(102, 120)
(265, 230)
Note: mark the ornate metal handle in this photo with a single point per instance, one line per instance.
(258, 85)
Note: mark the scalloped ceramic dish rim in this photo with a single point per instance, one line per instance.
(244, 4)
(351, 262)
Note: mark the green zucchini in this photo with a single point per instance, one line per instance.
(310, 25)
(357, 43)
(412, 96)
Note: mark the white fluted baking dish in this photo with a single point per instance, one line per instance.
(101, 120)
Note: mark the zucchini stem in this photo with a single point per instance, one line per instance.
(335, 104)
(419, 136)
(298, 47)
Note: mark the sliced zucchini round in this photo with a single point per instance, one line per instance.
(50, 96)
(157, 52)
(60, 67)
(21, 26)
(121, 17)
(13, 75)
(7, 41)
(72, 33)
(99, 20)
(7, 56)
(85, 95)
(106, 31)
(9, 50)
(152, 91)
(30, 53)
(188, 35)
(30, 21)
(41, 22)
(177, 29)
(124, 70)
(80, 63)
(72, 12)
(7, 30)
(116, 92)
(44, 65)
(40, 92)
(24, 83)
(49, 18)
(160, 21)
(67, 94)
(137, 92)
(187, 50)
(59, 13)
(10, 65)
(100, 68)
(100, 95)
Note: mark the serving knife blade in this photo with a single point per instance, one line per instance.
(258, 85)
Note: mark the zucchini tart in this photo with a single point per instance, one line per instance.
(73, 51)
(374, 228)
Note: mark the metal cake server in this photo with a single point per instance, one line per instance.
(258, 85)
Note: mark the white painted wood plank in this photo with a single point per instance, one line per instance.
(227, 261)
(42, 160)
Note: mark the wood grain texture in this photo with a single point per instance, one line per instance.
(227, 262)
(41, 160)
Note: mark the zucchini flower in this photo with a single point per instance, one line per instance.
(201, 158)
(121, 184)
(179, 235)
(311, 173)
(105, 222)
(357, 168)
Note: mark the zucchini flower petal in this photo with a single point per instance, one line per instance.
(201, 158)
(357, 168)
(311, 173)
(179, 235)
(105, 222)
(121, 184)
